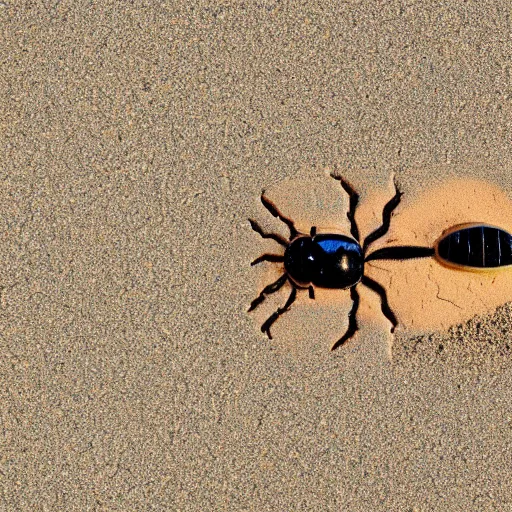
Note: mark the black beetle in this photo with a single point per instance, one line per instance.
(337, 261)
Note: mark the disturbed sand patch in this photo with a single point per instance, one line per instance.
(425, 295)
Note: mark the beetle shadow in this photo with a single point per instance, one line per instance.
(426, 294)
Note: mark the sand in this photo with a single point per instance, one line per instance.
(136, 139)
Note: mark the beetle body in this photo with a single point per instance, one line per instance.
(326, 260)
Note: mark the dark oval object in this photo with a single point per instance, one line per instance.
(475, 246)
(327, 261)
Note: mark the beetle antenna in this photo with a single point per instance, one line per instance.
(352, 320)
(386, 219)
(272, 318)
(381, 292)
(271, 288)
(278, 238)
(354, 200)
(276, 213)
(276, 258)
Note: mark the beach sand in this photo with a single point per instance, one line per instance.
(136, 139)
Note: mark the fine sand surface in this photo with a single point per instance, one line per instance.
(136, 139)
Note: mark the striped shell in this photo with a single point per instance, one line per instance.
(475, 246)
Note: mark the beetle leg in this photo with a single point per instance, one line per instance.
(276, 258)
(271, 288)
(272, 318)
(276, 213)
(352, 320)
(278, 238)
(311, 292)
(381, 292)
(386, 220)
(354, 200)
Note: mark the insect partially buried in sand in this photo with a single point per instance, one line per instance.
(337, 261)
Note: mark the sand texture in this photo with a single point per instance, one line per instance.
(136, 139)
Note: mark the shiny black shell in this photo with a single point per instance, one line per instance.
(326, 260)
(477, 246)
